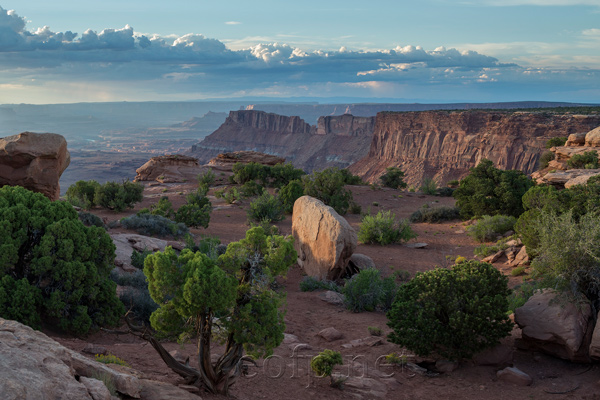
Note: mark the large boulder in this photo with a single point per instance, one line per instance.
(595, 342)
(35, 161)
(169, 169)
(33, 366)
(126, 243)
(592, 138)
(226, 161)
(323, 239)
(555, 326)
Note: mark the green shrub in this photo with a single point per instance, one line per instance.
(350, 179)
(323, 363)
(375, 330)
(393, 178)
(328, 186)
(265, 207)
(435, 214)
(89, 219)
(429, 187)
(137, 258)
(489, 228)
(485, 250)
(154, 225)
(82, 194)
(289, 194)
(454, 313)
(444, 192)
(517, 271)
(119, 196)
(556, 141)
(310, 284)
(490, 191)
(453, 183)
(366, 291)
(207, 179)
(355, 208)
(282, 174)
(251, 189)
(20, 301)
(545, 159)
(110, 359)
(252, 171)
(383, 229)
(44, 244)
(196, 211)
(587, 160)
(228, 194)
(520, 294)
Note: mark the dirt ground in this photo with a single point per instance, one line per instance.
(286, 374)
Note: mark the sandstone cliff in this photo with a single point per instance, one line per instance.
(335, 141)
(444, 145)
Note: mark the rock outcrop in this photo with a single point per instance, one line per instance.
(336, 141)
(169, 168)
(323, 239)
(35, 161)
(226, 161)
(554, 327)
(444, 145)
(126, 243)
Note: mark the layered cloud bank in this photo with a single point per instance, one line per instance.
(122, 64)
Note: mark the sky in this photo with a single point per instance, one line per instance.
(424, 51)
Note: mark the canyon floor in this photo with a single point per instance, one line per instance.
(286, 375)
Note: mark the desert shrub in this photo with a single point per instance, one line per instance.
(89, 219)
(119, 196)
(252, 171)
(556, 141)
(520, 270)
(138, 302)
(207, 179)
(587, 160)
(389, 290)
(384, 228)
(349, 178)
(435, 214)
(328, 186)
(265, 207)
(310, 284)
(44, 244)
(322, 364)
(428, 186)
(229, 194)
(375, 330)
(251, 189)
(393, 178)
(367, 290)
(193, 289)
(444, 191)
(490, 191)
(82, 194)
(454, 313)
(485, 250)
(355, 208)
(164, 208)
(520, 294)
(20, 301)
(138, 257)
(289, 194)
(110, 359)
(282, 174)
(489, 228)
(154, 225)
(545, 159)
(196, 211)
(453, 184)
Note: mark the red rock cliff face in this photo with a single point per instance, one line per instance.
(444, 145)
(340, 142)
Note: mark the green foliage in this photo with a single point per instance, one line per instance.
(383, 229)
(265, 207)
(520, 294)
(110, 359)
(429, 187)
(138, 258)
(119, 196)
(20, 301)
(164, 208)
(435, 214)
(489, 228)
(350, 179)
(444, 192)
(518, 271)
(243, 173)
(587, 160)
(44, 244)
(89, 219)
(310, 284)
(367, 290)
(282, 174)
(229, 194)
(323, 363)
(375, 330)
(193, 288)
(490, 191)
(485, 250)
(196, 211)
(82, 193)
(135, 295)
(454, 313)
(556, 141)
(328, 186)
(154, 225)
(207, 179)
(393, 178)
(289, 193)
(251, 189)
(545, 159)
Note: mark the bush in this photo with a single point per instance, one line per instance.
(196, 212)
(587, 160)
(310, 284)
(520, 294)
(251, 189)
(323, 363)
(350, 179)
(282, 174)
(82, 194)
(20, 301)
(490, 191)
(44, 245)
(328, 186)
(556, 141)
(393, 178)
(289, 194)
(444, 192)
(489, 228)
(453, 313)
(137, 258)
(383, 229)
(206, 179)
(230, 195)
(252, 171)
(110, 359)
(119, 196)
(154, 225)
(545, 159)
(265, 207)
(89, 219)
(429, 187)
(435, 214)
(366, 291)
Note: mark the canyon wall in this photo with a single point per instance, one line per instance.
(335, 141)
(444, 145)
